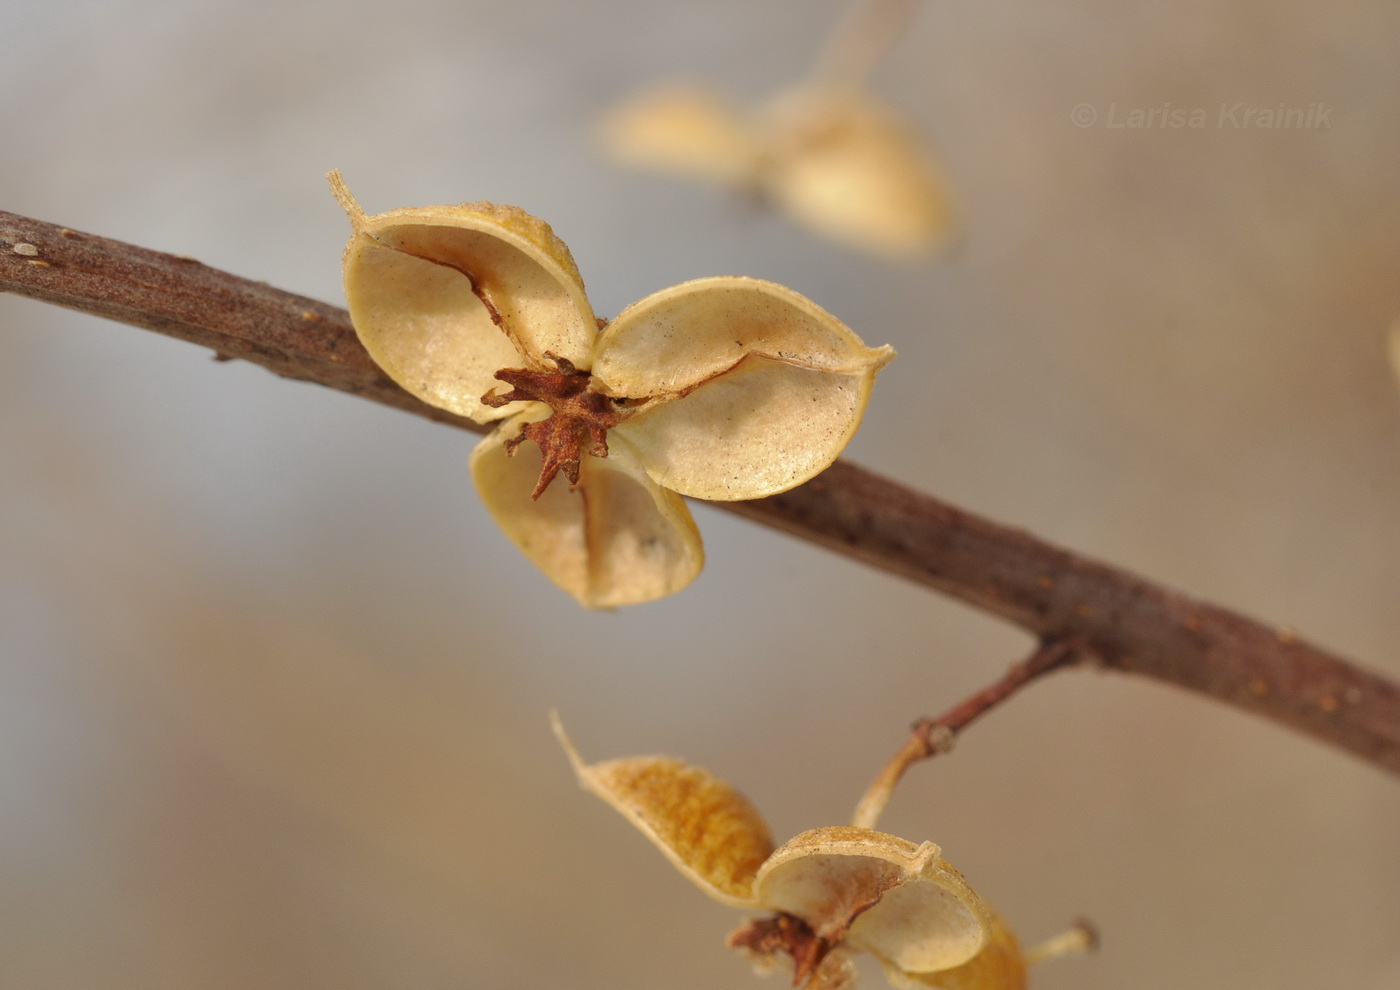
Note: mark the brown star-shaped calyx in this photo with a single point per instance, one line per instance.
(786, 933)
(579, 425)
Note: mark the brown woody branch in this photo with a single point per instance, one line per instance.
(1117, 619)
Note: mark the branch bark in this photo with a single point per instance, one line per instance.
(1119, 620)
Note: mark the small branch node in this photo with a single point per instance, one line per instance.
(936, 739)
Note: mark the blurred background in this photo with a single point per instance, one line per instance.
(274, 689)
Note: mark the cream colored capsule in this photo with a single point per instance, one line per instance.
(835, 159)
(719, 388)
(829, 892)
(885, 895)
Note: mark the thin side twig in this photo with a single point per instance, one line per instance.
(1123, 621)
(932, 736)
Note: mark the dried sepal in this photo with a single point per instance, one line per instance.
(705, 827)
(783, 942)
(442, 297)
(616, 539)
(901, 902)
(577, 429)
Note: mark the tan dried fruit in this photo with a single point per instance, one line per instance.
(721, 388)
(838, 161)
(830, 892)
(825, 150)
